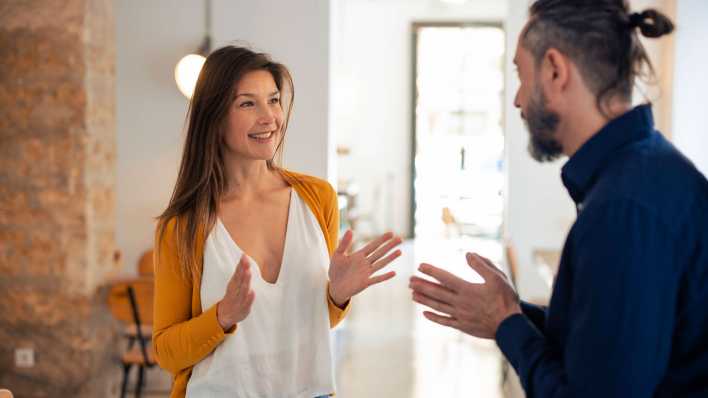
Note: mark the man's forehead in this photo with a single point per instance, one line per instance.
(522, 36)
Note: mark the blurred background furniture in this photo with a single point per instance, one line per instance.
(145, 265)
(131, 302)
(547, 262)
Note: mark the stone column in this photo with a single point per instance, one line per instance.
(57, 166)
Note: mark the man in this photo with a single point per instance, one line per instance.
(628, 316)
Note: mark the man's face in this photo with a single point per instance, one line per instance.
(541, 122)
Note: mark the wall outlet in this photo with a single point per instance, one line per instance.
(24, 357)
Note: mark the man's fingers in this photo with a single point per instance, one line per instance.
(381, 251)
(432, 290)
(374, 244)
(381, 278)
(385, 261)
(492, 266)
(432, 303)
(480, 266)
(442, 320)
(449, 280)
(345, 242)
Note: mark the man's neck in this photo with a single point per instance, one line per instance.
(585, 121)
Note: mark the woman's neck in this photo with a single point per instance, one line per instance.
(245, 179)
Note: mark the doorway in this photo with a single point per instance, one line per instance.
(458, 136)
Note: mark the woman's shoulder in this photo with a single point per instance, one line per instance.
(310, 184)
(165, 233)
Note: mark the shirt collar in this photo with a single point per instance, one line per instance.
(580, 172)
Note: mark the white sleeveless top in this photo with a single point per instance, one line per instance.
(282, 349)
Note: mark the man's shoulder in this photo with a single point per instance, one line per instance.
(653, 175)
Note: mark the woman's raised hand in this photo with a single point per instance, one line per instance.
(350, 274)
(237, 301)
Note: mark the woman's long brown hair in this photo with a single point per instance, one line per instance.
(201, 181)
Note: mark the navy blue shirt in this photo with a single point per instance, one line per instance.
(628, 316)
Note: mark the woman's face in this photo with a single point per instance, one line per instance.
(255, 118)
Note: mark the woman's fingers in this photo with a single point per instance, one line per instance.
(236, 282)
(385, 261)
(382, 250)
(244, 286)
(374, 244)
(248, 300)
(233, 281)
(381, 278)
(345, 242)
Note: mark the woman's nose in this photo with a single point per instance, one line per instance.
(266, 116)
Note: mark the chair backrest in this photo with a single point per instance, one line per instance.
(120, 304)
(131, 301)
(146, 265)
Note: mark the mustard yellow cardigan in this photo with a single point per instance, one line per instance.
(182, 334)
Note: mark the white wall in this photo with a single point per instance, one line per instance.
(372, 116)
(151, 36)
(690, 118)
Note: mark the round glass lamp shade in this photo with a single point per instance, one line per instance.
(187, 72)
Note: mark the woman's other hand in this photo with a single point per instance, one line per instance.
(237, 301)
(350, 274)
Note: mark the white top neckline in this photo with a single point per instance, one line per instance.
(285, 246)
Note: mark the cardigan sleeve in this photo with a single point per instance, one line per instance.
(330, 210)
(180, 339)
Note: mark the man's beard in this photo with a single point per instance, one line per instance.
(542, 125)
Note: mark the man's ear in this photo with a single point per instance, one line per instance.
(555, 71)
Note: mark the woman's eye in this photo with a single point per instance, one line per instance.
(275, 100)
(246, 104)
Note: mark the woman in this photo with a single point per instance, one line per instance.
(248, 275)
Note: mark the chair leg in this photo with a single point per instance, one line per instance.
(124, 384)
(145, 375)
(139, 384)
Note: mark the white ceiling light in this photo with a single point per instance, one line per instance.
(187, 72)
(188, 68)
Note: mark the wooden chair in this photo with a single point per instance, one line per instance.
(145, 271)
(132, 302)
(145, 264)
(512, 261)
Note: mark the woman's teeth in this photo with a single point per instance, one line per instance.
(261, 136)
